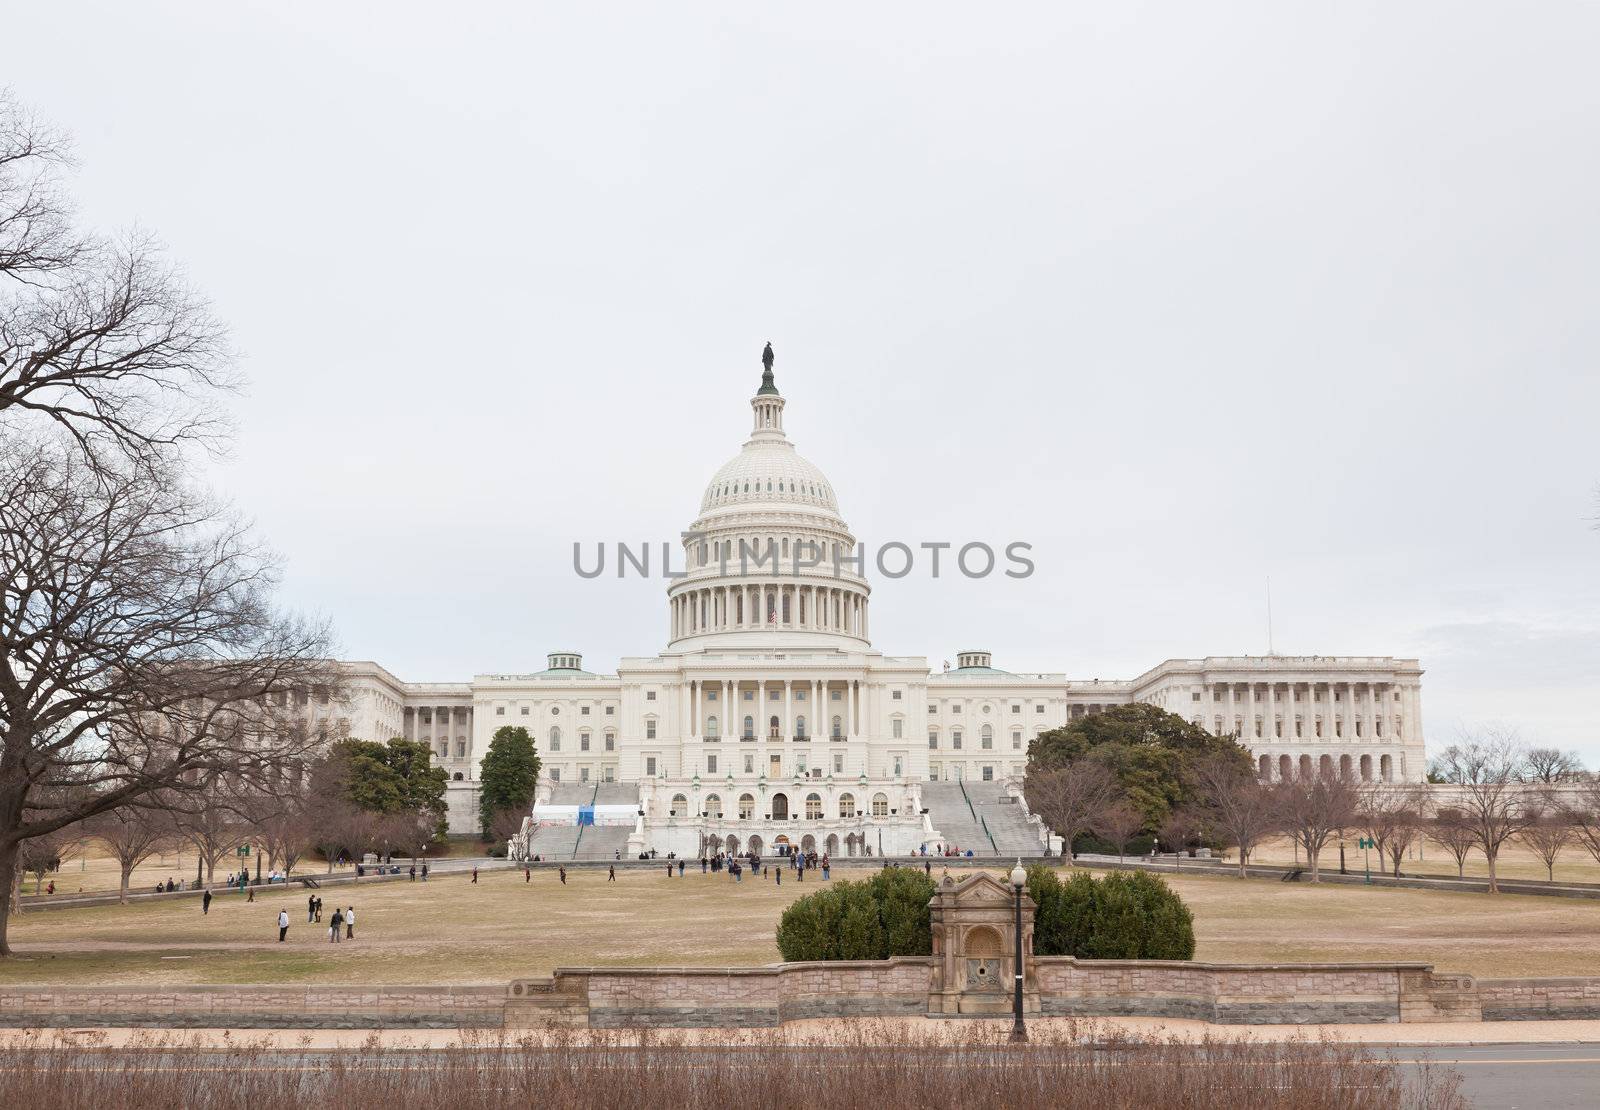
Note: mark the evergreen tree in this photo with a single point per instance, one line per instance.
(509, 774)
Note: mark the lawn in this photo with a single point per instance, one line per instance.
(449, 930)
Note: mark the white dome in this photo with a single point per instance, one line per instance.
(767, 473)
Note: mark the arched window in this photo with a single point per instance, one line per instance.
(772, 727)
(611, 741)
(711, 727)
(955, 739)
(880, 805)
(988, 738)
(847, 805)
(680, 806)
(749, 728)
(799, 726)
(555, 738)
(747, 805)
(583, 740)
(813, 807)
(838, 725)
(713, 805)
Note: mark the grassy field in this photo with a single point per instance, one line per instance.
(449, 930)
(1573, 865)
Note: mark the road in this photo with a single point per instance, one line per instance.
(1516, 1076)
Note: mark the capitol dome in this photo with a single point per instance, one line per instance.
(766, 473)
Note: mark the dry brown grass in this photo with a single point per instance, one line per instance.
(1574, 865)
(859, 1067)
(449, 930)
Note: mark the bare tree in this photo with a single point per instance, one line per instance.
(210, 819)
(1583, 816)
(1484, 770)
(98, 337)
(1550, 765)
(1178, 827)
(1392, 815)
(1237, 805)
(1118, 823)
(1452, 831)
(132, 834)
(1548, 831)
(1315, 810)
(1068, 798)
(139, 651)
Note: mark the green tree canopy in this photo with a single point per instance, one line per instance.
(509, 774)
(1125, 915)
(397, 777)
(1149, 750)
(886, 915)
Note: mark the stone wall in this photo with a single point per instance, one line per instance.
(256, 1007)
(1539, 999)
(685, 997)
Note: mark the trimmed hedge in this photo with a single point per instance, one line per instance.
(1127, 915)
(886, 915)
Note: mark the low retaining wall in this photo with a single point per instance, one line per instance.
(698, 997)
(256, 1007)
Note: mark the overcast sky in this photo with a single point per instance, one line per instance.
(1184, 295)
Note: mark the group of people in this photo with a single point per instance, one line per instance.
(343, 918)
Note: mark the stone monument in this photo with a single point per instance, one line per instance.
(974, 948)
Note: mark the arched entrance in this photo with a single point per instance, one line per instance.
(755, 844)
(1285, 768)
(732, 845)
(780, 807)
(808, 843)
(1264, 772)
(831, 845)
(1344, 767)
(1366, 768)
(1305, 767)
(1325, 767)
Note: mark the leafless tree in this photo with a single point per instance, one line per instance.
(1451, 830)
(139, 650)
(1117, 824)
(1392, 814)
(1238, 805)
(507, 823)
(1484, 770)
(1178, 827)
(1315, 810)
(210, 818)
(1550, 765)
(1583, 816)
(98, 337)
(132, 834)
(1068, 798)
(1548, 831)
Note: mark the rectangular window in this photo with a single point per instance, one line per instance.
(499, 711)
(896, 696)
(836, 695)
(1016, 709)
(555, 774)
(1038, 709)
(933, 709)
(524, 711)
(583, 774)
(650, 766)
(584, 710)
(711, 764)
(934, 771)
(649, 695)
(749, 695)
(1195, 696)
(555, 742)
(611, 742)
(650, 729)
(583, 741)
(711, 695)
(611, 711)
(749, 764)
(898, 725)
(899, 766)
(955, 740)
(838, 763)
(988, 773)
(610, 773)
(933, 741)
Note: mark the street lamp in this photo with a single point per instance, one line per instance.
(1019, 1031)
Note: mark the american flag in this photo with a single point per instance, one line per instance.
(772, 615)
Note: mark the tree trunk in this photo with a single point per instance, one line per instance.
(1243, 874)
(10, 901)
(127, 877)
(1312, 858)
(1494, 885)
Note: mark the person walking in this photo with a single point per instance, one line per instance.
(252, 897)
(680, 869)
(669, 870)
(311, 908)
(474, 876)
(413, 872)
(349, 923)
(527, 874)
(205, 902)
(283, 925)
(424, 872)
(563, 876)
(333, 926)
(319, 909)
(611, 873)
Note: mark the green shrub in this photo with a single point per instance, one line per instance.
(886, 915)
(1127, 915)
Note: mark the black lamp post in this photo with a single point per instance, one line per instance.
(1019, 1031)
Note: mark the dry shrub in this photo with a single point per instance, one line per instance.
(849, 1066)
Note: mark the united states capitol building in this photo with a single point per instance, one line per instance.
(770, 719)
